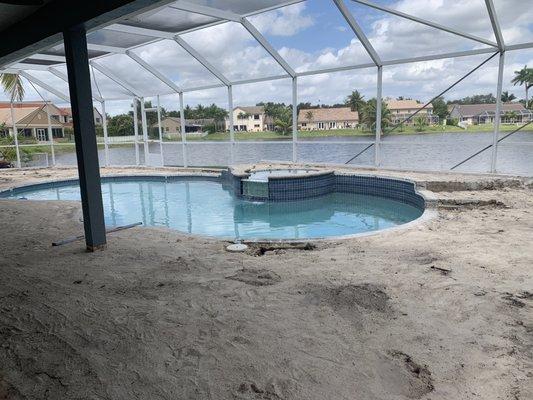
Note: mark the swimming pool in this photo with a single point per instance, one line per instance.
(209, 206)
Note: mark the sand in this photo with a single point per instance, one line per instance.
(440, 310)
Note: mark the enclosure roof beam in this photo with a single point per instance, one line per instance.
(29, 67)
(111, 75)
(268, 47)
(230, 16)
(108, 49)
(440, 56)
(153, 71)
(495, 24)
(206, 87)
(336, 69)
(63, 77)
(141, 31)
(47, 57)
(358, 31)
(205, 10)
(202, 60)
(426, 22)
(45, 86)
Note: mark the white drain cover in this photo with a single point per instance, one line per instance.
(236, 247)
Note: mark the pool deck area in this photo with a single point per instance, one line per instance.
(442, 309)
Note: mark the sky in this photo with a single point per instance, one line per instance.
(313, 35)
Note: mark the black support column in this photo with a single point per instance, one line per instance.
(79, 81)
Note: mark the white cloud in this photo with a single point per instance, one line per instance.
(233, 51)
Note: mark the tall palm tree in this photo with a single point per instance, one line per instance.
(524, 77)
(12, 85)
(508, 97)
(368, 114)
(355, 101)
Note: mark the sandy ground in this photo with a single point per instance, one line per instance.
(442, 310)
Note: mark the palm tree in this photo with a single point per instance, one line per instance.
(420, 123)
(524, 77)
(368, 114)
(508, 97)
(355, 101)
(12, 84)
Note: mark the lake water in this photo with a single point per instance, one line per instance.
(438, 151)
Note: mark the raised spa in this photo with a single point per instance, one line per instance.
(299, 205)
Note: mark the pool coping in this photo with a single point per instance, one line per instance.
(430, 210)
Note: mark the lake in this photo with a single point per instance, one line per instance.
(436, 151)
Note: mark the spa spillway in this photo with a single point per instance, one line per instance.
(272, 204)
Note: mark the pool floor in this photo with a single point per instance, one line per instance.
(205, 207)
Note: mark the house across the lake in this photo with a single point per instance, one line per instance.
(401, 109)
(311, 119)
(31, 119)
(171, 126)
(250, 119)
(472, 114)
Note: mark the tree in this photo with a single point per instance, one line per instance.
(420, 123)
(368, 114)
(284, 123)
(476, 99)
(440, 108)
(510, 116)
(355, 101)
(508, 97)
(12, 84)
(120, 125)
(524, 77)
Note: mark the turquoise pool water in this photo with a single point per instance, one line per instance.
(205, 207)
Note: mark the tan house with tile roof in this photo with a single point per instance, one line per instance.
(311, 119)
(171, 126)
(31, 119)
(402, 109)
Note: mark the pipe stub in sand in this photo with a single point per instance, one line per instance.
(237, 248)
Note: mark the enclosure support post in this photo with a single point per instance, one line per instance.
(75, 39)
(136, 131)
(106, 141)
(160, 130)
(497, 116)
(231, 130)
(145, 131)
(15, 136)
(294, 119)
(377, 143)
(50, 136)
(183, 133)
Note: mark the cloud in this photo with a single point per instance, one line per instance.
(286, 21)
(232, 50)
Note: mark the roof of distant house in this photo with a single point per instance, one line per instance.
(251, 109)
(405, 104)
(472, 110)
(24, 104)
(328, 114)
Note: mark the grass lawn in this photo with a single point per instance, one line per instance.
(409, 130)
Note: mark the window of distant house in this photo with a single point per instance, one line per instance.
(256, 125)
(320, 125)
(332, 124)
(256, 116)
(304, 123)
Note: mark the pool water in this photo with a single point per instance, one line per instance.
(205, 207)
